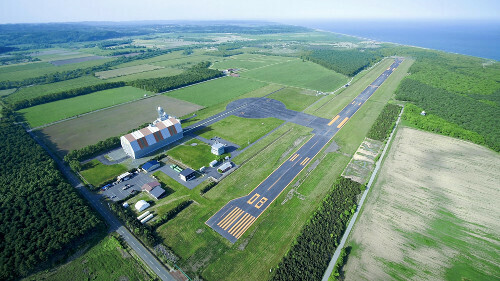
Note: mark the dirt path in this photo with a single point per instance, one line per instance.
(432, 215)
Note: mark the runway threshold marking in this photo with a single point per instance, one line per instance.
(249, 223)
(342, 123)
(228, 220)
(333, 120)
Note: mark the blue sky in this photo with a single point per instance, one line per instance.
(17, 11)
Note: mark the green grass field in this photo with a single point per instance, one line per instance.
(97, 173)
(193, 156)
(7, 92)
(297, 73)
(162, 72)
(45, 89)
(54, 111)
(247, 61)
(107, 260)
(216, 91)
(241, 131)
(31, 70)
(125, 71)
(295, 99)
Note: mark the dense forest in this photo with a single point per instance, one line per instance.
(384, 123)
(195, 74)
(42, 213)
(310, 254)
(347, 62)
(65, 95)
(464, 111)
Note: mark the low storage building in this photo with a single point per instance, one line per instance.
(150, 166)
(141, 205)
(225, 167)
(187, 174)
(157, 192)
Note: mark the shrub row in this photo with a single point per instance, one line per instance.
(384, 123)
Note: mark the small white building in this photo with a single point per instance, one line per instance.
(124, 176)
(141, 205)
(213, 163)
(218, 148)
(225, 167)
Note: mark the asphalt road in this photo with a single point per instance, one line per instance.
(113, 222)
(232, 220)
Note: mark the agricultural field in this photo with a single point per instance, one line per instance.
(76, 60)
(298, 73)
(160, 72)
(295, 98)
(45, 89)
(31, 70)
(108, 260)
(245, 62)
(431, 214)
(241, 131)
(91, 128)
(125, 71)
(216, 91)
(192, 153)
(50, 112)
(97, 173)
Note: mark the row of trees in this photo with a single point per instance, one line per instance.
(384, 123)
(65, 95)
(145, 232)
(468, 113)
(171, 214)
(41, 213)
(347, 62)
(195, 74)
(309, 256)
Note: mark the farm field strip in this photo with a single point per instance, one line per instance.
(126, 71)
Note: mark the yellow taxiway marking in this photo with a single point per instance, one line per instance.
(239, 223)
(228, 216)
(232, 219)
(343, 122)
(248, 224)
(333, 120)
(305, 161)
(294, 157)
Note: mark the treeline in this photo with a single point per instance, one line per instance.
(41, 213)
(225, 53)
(466, 112)
(309, 256)
(195, 74)
(384, 123)
(65, 95)
(171, 214)
(16, 58)
(144, 232)
(347, 62)
(106, 44)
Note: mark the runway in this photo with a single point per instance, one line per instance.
(237, 216)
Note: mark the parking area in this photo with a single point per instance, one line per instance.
(117, 192)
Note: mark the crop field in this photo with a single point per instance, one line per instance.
(107, 260)
(193, 153)
(89, 129)
(7, 92)
(125, 71)
(21, 72)
(50, 112)
(431, 214)
(295, 98)
(159, 72)
(241, 131)
(297, 73)
(216, 91)
(97, 173)
(44, 89)
(76, 60)
(183, 62)
(168, 60)
(58, 54)
(248, 61)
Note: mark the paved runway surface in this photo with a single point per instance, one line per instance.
(232, 220)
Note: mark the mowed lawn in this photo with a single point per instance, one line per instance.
(54, 111)
(97, 173)
(241, 131)
(298, 73)
(45, 89)
(193, 153)
(216, 91)
(107, 260)
(247, 61)
(295, 98)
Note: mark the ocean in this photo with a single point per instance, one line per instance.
(474, 38)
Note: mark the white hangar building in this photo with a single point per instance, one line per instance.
(163, 131)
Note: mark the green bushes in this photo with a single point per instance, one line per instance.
(309, 256)
(207, 187)
(384, 123)
(196, 74)
(464, 111)
(347, 62)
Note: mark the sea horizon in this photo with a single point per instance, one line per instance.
(479, 38)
